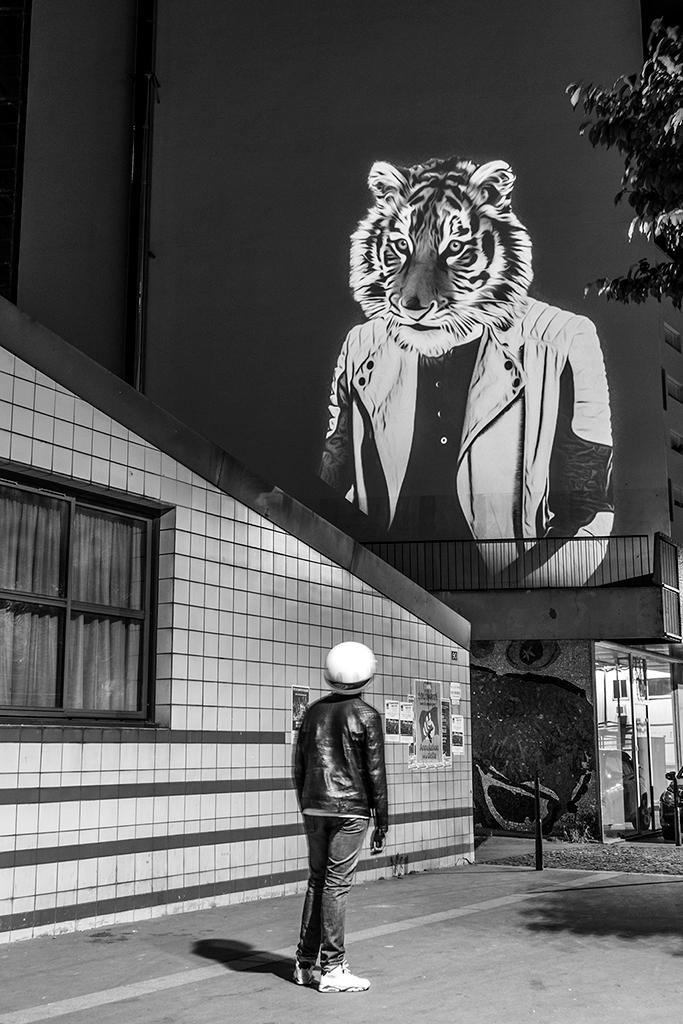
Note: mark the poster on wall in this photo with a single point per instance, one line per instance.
(446, 730)
(391, 721)
(427, 723)
(457, 735)
(300, 699)
(406, 721)
(441, 267)
(456, 693)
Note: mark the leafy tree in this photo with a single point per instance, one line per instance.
(641, 115)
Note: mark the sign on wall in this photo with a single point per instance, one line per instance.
(391, 721)
(406, 721)
(446, 730)
(300, 699)
(457, 735)
(427, 724)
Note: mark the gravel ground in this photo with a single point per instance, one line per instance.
(637, 857)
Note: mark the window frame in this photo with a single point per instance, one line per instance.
(672, 338)
(98, 501)
(676, 442)
(674, 389)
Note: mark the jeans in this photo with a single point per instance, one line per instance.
(334, 846)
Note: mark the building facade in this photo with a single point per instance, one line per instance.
(164, 615)
(214, 277)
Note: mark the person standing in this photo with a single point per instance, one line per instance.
(340, 778)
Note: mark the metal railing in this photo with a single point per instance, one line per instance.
(520, 565)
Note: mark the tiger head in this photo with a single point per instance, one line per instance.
(440, 255)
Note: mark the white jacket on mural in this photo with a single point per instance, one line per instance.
(502, 474)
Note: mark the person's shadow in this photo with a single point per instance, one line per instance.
(241, 956)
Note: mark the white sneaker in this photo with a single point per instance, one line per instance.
(302, 975)
(340, 979)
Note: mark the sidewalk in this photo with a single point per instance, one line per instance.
(480, 944)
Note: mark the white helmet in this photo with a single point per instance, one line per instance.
(349, 667)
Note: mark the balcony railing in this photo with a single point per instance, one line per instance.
(515, 565)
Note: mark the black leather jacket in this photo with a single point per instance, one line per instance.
(339, 760)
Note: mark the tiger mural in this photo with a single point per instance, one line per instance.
(464, 408)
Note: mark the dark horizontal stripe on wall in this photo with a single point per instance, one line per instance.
(149, 844)
(121, 904)
(133, 734)
(436, 814)
(138, 790)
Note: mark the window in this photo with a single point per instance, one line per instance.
(619, 688)
(676, 441)
(75, 606)
(677, 496)
(672, 337)
(674, 389)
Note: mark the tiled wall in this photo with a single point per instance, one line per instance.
(104, 824)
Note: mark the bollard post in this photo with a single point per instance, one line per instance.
(539, 833)
(677, 814)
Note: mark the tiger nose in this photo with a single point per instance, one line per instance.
(415, 302)
(419, 289)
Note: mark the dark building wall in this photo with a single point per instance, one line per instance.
(271, 116)
(72, 264)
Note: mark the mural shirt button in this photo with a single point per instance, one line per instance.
(516, 382)
(508, 364)
(444, 440)
(361, 380)
(437, 383)
(369, 364)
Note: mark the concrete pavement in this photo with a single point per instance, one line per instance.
(483, 944)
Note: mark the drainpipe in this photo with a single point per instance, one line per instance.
(145, 96)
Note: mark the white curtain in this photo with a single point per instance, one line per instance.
(103, 664)
(107, 565)
(30, 541)
(30, 544)
(107, 560)
(28, 656)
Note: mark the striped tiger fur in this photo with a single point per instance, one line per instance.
(440, 254)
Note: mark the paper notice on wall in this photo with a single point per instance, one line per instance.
(457, 735)
(456, 693)
(408, 735)
(427, 723)
(300, 698)
(406, 721)
(411, 756)
(391, 721)
(446, 730)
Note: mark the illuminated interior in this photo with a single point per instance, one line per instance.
(637, 735)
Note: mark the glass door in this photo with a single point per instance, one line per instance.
(636, 738)
(622, 749)
(641, 744)
(662, 718)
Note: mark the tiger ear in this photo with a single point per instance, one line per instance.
(494, 183)
(386, 182)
